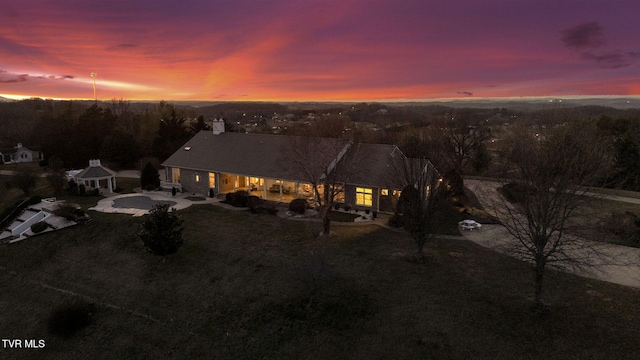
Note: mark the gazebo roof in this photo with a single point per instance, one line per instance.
(96, 171)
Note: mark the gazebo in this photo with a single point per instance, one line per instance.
(96, 173)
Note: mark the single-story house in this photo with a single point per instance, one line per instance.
(220, 162)
(20, 154)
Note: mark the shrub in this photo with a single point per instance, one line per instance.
(68, 211)
(625, 226)
(35, 199)
(39, 227)
(336, 206)
(66, 320)
(161, 231)
(395, 221)
(254, 202)
(81, 189)
(347, 207)
(298, 206)
(237, 199)
(150, 187)
(174, 191)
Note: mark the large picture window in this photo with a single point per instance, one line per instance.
(364, 196)
(212, 180)
(176, 175)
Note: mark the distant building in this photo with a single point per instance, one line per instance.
(20, 154)
(97, 176)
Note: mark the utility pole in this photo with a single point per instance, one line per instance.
(95, 96)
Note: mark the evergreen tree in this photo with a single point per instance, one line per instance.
(149, 178)
(161, 231)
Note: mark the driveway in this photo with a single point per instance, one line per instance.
(607, 262)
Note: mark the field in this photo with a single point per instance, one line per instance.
(240, 289)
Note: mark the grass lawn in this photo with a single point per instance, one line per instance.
(239, 289)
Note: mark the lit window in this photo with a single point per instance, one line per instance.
(384, 192)
(212, 180)
(176, 175)
(197, 178)
(364, 196)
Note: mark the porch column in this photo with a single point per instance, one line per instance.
(264, 187)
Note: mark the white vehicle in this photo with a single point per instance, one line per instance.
(469, 225)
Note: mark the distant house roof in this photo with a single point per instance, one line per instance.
(259, 155)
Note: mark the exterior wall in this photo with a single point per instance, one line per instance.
(350, 197)
(190, 185)
(23, 155)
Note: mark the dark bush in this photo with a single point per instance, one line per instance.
(150, 187)
(72, 185)
(82, 189)
(347, 207)
(454, 182)
(625, 227)
(395, 221)
(254, 203)
(237, 199)
(35, 199)
(68, 319)
(174, 191)
(39, 227)
(367, 211)
(336, 206)
(70, 212)
(298, 206)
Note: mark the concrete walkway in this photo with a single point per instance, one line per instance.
(607, 262)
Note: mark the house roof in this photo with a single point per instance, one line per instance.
(262, 155)
(372, 164)
(259, 155)
(96, 172)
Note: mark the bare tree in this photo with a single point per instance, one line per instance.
(549, 178)
(422, 198)
(319, 162)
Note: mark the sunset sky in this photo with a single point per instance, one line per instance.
(360, 50)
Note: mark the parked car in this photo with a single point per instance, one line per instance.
(469, 225)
